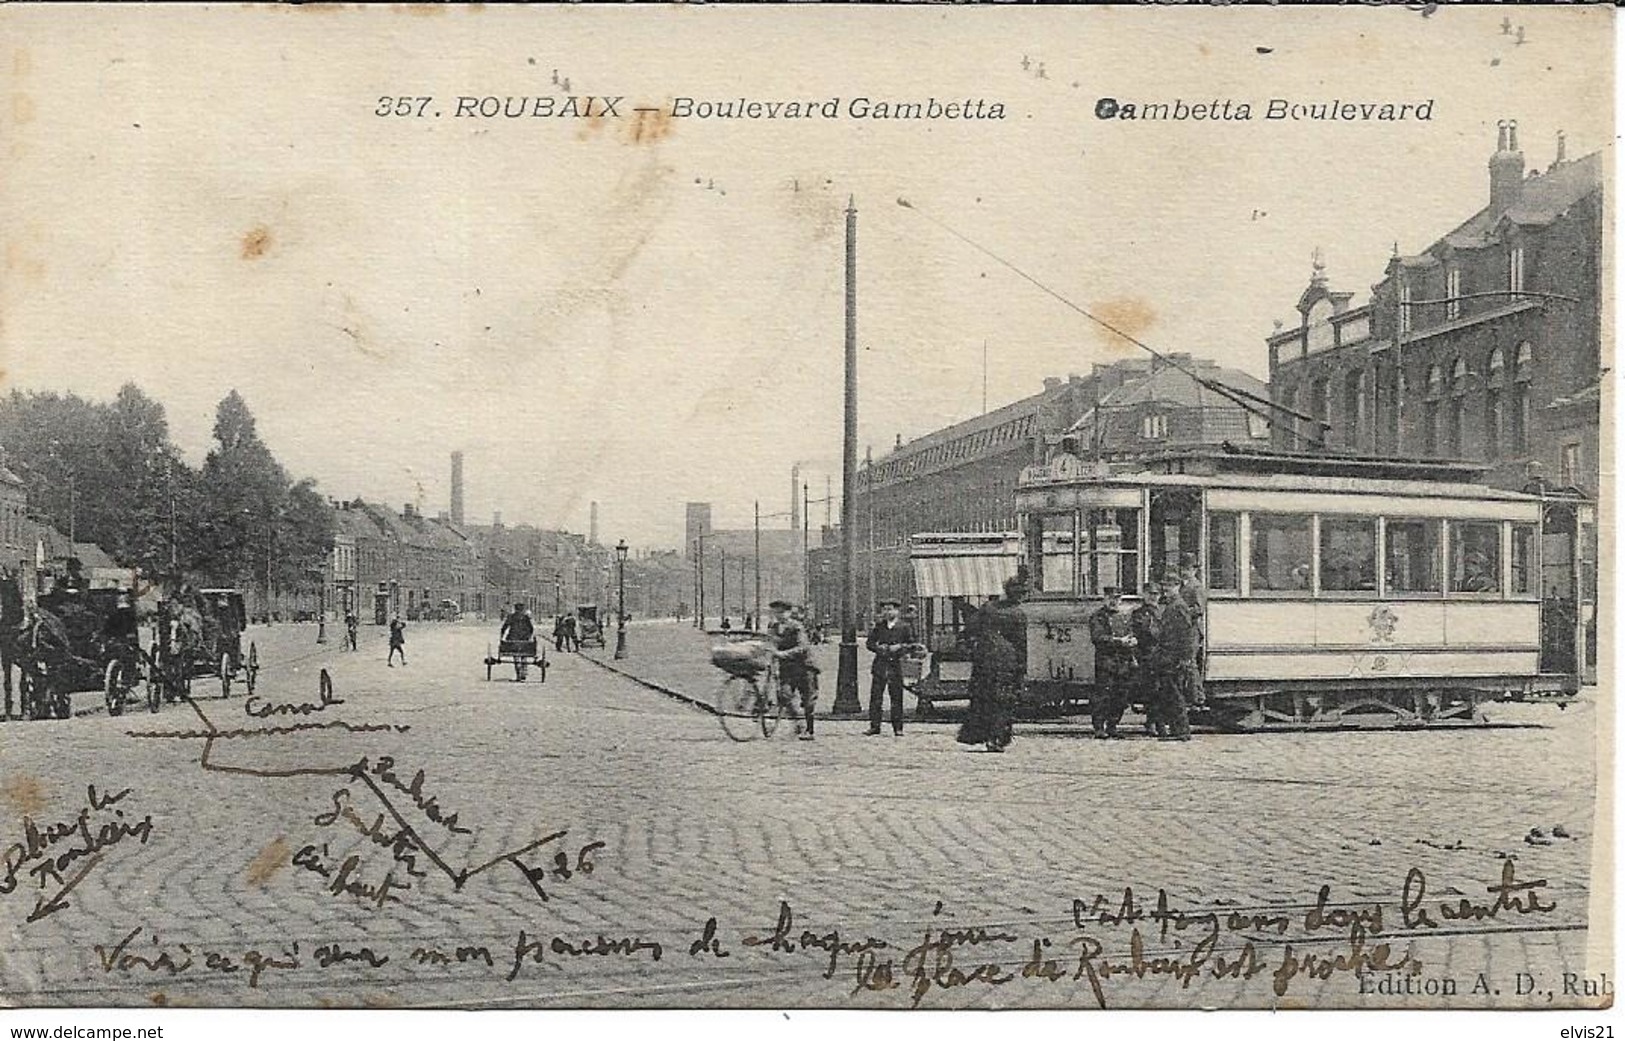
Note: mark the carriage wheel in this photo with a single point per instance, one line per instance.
(155, 683)
(113, 687)
(251, 673)
(225, 674)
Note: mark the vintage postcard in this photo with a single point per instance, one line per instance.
(806, 508)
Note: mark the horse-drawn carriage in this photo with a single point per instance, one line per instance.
(201, 634)
(77, 640)
(589, 627)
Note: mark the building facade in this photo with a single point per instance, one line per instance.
(963, 478)
(1485, 346)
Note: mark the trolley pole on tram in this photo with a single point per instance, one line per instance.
(846, 676)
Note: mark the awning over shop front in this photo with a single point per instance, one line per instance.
(979, 575)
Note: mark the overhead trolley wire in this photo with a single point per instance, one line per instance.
(1240, 397)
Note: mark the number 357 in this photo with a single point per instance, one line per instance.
(393, 106)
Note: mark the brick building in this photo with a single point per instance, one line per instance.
(1484, 346)
(963, 478)
(400, 563)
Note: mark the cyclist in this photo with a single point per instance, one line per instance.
(793, 650)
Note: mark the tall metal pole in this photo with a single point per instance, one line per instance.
(806, 558)
(620, 606)
(758, 562)
(846, 677)
(869, 522)
(722, 598)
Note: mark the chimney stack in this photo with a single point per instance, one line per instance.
(457, 488)
(592, 525)
(1506, 167)
(795, 497)
(496, 518)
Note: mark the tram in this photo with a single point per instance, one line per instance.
(1339, 591)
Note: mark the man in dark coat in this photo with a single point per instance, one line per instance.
(1111, 633)
(1146, 623)
(1176, 661)
(890, 642)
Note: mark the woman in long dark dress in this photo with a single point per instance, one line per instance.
(998, 668)
(974, 731)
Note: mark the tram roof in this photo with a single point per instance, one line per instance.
(1274, 471)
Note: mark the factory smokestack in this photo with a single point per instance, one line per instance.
(457, 488)
(795, 497)
(592, 525)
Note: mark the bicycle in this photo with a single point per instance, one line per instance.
(748, 700)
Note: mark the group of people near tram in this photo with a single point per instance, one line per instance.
(1151, 655)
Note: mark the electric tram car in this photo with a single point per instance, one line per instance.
(1339, 591)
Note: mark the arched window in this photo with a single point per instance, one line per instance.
(1458, 377)
(1524, 366)
(1435, 382)
(1497, 365)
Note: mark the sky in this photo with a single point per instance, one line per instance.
(648, 311)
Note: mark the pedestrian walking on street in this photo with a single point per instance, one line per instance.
(979, 719)
(397, 640)
(572, 638)
(1111, 632)
(1146, 623)
(998, 638)
(558, 633)
(890, 642)
(351, 624)
(1176, 662)
(796, 670)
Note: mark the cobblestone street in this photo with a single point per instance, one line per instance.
(275, 870)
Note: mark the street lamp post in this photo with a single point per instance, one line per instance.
(846, 681)
(321, 604)
(620, 610)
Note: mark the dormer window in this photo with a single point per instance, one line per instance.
(1154, 427)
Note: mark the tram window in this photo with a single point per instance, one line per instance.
(1413, 556)
(1525, 560)
(1223, 541)
(1348, 554)
(1112, 555)
(1475, 557)
(1280, 554)
(1051, 541)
